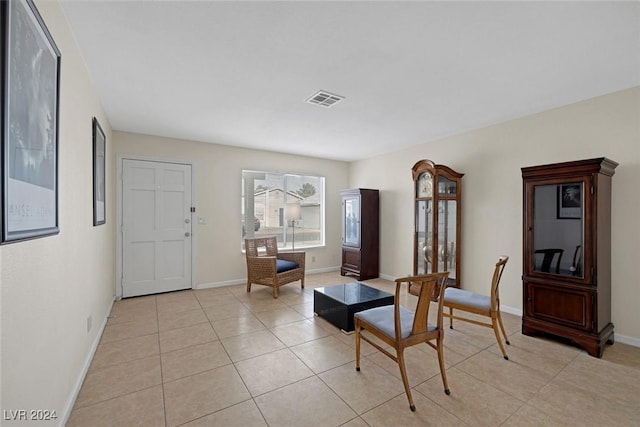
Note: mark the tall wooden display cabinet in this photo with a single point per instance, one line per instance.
(360, 233)
(567, 252)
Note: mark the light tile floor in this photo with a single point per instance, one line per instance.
(222, 357)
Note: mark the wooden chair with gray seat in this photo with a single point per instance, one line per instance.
(400, 328)
(272, 268)
(484, 305)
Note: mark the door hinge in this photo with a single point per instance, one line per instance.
(193, 209)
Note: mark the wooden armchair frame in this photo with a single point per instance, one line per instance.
(401, 328)
(262, 268)
(471, 302)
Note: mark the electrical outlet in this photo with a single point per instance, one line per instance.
(89, 322)
(202, 220)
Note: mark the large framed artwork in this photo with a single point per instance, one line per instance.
(99, 150)
(30, 67)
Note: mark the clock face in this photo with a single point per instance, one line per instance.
(425, 185)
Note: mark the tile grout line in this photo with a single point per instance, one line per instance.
(164, 400)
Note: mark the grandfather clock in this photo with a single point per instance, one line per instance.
(436, 242)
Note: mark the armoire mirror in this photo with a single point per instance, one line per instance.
(558, 228)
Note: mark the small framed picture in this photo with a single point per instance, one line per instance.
(570, 201)
(99, 178)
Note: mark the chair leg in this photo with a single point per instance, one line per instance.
(443, 373)
(275, 292)
(357, 328)
(494, 323)
(405, 381)
(248, 285)
(450, 317)
(302, 283)
(506, 339)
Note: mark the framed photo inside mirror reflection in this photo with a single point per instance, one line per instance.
(569, 201)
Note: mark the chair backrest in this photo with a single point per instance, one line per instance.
(495, 281)
(430, 287)
(576, 264)
(547, 259)
(252, 246)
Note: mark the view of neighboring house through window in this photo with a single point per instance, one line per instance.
(288, 206)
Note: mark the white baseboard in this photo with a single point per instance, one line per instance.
(244, 280)
(323, 270)
(209, 285)
(624, 339)
(511, 310)
(85, 368)
(387, 277)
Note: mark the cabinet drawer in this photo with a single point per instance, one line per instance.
(351, 258)
(567, 307)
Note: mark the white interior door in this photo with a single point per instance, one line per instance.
(156, 227)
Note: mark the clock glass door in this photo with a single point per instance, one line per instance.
(424, 221)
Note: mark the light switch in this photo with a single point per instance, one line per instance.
(202, 220)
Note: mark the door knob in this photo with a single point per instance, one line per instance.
(187, 221)
(187, 234)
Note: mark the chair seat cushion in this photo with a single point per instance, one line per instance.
(284, 265)
(382, 318)
(468, 298)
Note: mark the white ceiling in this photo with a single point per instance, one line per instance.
(238, 73)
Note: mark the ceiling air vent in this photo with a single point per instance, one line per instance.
(324, 99)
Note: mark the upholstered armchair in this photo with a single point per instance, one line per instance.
(272, 268)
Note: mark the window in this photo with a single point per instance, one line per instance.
(288, 206)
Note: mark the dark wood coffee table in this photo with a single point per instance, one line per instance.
(337, 304)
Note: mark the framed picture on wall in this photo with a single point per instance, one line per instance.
(30, 67)
(99, 150)
(570, 201)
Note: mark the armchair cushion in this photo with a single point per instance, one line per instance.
(284, 265)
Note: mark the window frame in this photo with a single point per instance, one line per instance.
(273, 219)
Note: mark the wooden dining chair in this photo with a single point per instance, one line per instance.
(484, 305)
(576, 264)
(400, 328)
(547, 259)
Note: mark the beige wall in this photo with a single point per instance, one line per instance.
(49, 286)
(217, 173)
(491, 158)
